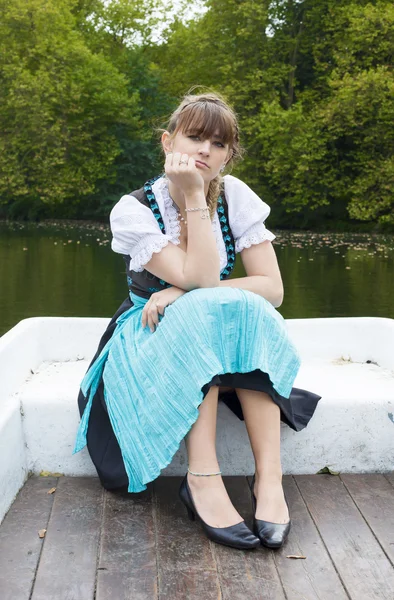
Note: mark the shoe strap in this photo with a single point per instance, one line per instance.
(203, 474)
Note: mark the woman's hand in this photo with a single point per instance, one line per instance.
(157, 304)
(182, 171)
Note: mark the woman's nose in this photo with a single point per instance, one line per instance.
(205, 147)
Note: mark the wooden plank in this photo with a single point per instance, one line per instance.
(67, 569)
(374, 496)
(390, 478)
(247, 574)
(127, 564)
(186, 566)
(358, 558)
(20, 545)
(314, 577)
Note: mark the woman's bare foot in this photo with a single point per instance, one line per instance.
(212, 501)
(271, 504)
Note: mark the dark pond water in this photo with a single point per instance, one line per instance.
(70, 270)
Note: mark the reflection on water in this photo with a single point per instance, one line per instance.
(70, 270)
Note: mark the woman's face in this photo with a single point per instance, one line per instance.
(210, 154)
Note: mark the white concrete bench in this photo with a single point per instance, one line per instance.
(349, 361)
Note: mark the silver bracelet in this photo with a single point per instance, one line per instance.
(204, 215)
(198, 208)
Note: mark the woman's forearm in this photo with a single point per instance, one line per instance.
(202, 263)
(259, 284)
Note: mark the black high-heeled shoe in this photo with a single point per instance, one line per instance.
(236, 536)
(272, 535)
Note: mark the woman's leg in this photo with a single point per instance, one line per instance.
(262, 419)
(209, 493)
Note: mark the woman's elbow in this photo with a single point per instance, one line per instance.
(277, 295)
(277, 302)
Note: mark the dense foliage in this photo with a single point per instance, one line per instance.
(84, 84)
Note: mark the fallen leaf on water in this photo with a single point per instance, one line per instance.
(51, 491)
(295, 556)
(41, 533)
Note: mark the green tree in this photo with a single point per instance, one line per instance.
(60, 106)
(122, 30)
(311, 82)
(331, 153)
(83, 84)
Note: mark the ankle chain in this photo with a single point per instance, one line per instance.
(203, 474)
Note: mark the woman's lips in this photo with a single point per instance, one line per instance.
(199, 163)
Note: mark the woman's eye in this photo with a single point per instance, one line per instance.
(197, 138)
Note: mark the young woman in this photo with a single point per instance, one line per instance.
(188, 334)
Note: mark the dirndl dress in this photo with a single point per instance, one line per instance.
(141, 393)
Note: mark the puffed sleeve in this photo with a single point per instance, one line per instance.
(247, 214)
(135, 232)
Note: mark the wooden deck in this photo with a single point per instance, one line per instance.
(117, 546)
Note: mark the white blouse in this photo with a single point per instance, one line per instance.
(137, 233)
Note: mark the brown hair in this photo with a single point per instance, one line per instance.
(204, 114)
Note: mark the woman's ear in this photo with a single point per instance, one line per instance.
(166, 142)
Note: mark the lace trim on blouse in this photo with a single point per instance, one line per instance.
(171, 222)
(219, 242)
(254, 235)
(170, 213)
(145, 250)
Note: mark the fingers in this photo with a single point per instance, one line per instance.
(181, 170)
(160, 309)
(150, 314)
(177, 160)
(168, 161)
(153, 318)
(184, 161)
